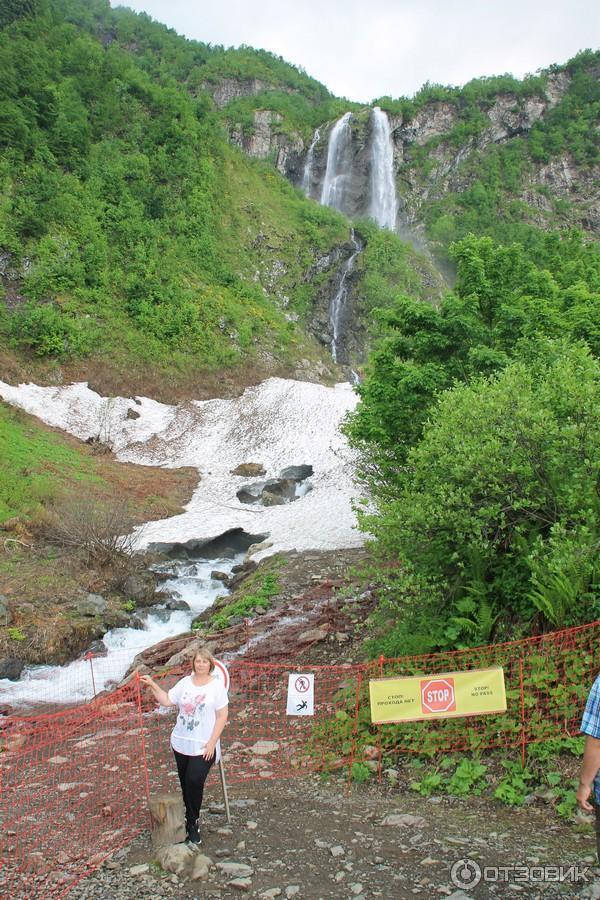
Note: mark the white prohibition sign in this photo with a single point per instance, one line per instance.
(221, 673)
(302, 684)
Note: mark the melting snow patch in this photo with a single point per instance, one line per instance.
(277, 422)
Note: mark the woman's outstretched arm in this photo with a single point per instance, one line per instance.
(161, 695)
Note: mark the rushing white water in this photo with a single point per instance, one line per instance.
(337, 308)
(338, 174)
(79, 681)
(307, 174)
(278, 423)
(383, 204)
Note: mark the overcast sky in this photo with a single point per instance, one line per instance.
(363, 49)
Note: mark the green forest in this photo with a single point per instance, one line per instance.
(135, 237)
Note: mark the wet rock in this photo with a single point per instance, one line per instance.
(97, 648)
(249, 470)
(132, 413)
(11, 668)
(91, 605)
(140, 587)
(223, 577)
(297, 473)
(176, 604)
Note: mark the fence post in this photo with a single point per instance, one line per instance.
(522, 693)
(380, 731)
(138, 699)
(355, 728)
(90, 656)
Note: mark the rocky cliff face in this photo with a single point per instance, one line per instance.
(508, 117)
(430, 133)
(265, 142)
(226, 90)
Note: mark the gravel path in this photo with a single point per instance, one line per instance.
(307, 839)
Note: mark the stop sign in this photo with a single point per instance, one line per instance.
(437, 695)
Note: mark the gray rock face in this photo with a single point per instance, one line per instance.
(11, 668)
(508, 117)
(265, 141)
(91, 605)
(227, 89)
(140, 587)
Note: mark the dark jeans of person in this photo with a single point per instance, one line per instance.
(192, 771)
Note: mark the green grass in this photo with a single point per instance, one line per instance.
(35, 464)
(256, 598)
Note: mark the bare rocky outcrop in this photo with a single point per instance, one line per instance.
(266, 141)
(430, 129)
(225, 90)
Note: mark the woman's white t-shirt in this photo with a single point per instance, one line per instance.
(196, 718)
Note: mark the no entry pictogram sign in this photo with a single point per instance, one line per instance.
(437, 695)
(301, 694)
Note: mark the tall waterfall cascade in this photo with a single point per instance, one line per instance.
(308, 166)
(358, 177)
(383, 207)
(338, 306)
(338, 174)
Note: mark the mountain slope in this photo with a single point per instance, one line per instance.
(132, 235)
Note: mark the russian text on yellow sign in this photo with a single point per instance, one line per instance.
(469, 693)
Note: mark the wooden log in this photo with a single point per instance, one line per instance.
(167, 820)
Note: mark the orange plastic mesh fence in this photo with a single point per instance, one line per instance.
(73, 791)
(260, 740)
(547, 679)
(75, 782)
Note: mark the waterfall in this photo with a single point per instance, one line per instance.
(383, 206)
(338, 174)
(307, 174)
(337, 307)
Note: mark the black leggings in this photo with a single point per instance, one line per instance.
(192, 771)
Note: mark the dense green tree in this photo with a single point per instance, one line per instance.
(495, 520)
(502, 301)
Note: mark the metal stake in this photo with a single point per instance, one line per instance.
(225, 795)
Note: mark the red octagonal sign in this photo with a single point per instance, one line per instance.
(437, 695)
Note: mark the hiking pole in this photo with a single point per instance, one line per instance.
(225, 796)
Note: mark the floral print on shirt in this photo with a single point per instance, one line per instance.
(191, 710)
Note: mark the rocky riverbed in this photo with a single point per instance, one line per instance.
(309, 839)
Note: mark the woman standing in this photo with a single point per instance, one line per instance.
(203, 705)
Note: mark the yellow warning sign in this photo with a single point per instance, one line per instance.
(472, 693)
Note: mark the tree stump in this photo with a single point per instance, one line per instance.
(167, 818)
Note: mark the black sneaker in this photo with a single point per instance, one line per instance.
(194, 835)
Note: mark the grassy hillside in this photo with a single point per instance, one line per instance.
(125, 213)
